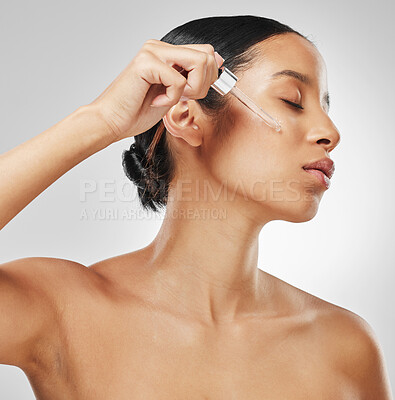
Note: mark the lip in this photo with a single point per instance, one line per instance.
(324, 180)
(323, 169)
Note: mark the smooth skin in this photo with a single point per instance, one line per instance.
(190, 316)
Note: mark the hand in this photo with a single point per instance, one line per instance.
(151, 84)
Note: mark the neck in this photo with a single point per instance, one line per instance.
(205, 255)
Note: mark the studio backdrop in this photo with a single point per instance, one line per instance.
(57, 56)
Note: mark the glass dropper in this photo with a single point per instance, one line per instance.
(226, 83)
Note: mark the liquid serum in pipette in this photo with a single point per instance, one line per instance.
(226, 83)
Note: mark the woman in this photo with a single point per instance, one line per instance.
(190, 316)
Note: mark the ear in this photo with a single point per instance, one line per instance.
(181, 122)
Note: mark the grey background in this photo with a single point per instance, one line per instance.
(56, 56)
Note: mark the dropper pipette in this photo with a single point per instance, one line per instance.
(226, 83)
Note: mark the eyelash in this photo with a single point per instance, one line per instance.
(295, 105)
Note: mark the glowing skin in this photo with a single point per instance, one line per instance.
(253, 173)
(190, 316)
(254, 154)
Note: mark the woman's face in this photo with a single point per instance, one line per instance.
(264, 167)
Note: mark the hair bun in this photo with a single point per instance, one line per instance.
(134, 165)
(147, 176)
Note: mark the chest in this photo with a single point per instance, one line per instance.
(158, 357)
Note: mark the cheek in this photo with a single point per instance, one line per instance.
(248, 155)
(251, 158)
(258, 166)
(262, 153)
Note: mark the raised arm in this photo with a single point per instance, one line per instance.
(28, 169)
(122, 110)
(29, 288)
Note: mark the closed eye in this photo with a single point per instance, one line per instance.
(296, 105)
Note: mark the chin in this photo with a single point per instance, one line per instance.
(303, 212)
(292, 204)
(301, 217)
(300, 211)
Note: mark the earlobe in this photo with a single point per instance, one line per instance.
(180, 122)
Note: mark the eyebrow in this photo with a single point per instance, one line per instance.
(300, 77)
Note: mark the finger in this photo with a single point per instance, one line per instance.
(161, 73)
(196, 46)
(193, 60)
(211, 74)
(215, 61)
(206, 47)
(218, 59)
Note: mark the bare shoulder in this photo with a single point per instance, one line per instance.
(47, 274)
(33, 290)
(345, 340)
(351, 345)
(360, 356)
(48, 283)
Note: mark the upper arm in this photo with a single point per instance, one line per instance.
(28, 305)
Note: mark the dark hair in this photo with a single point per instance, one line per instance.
(149, 162)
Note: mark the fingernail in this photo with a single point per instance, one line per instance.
(219, 59)
(183, 98)
(159, 105)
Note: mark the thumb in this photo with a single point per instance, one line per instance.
(219, 59)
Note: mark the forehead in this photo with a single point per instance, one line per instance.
(290, 51)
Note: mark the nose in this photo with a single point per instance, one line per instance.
(325, 134)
